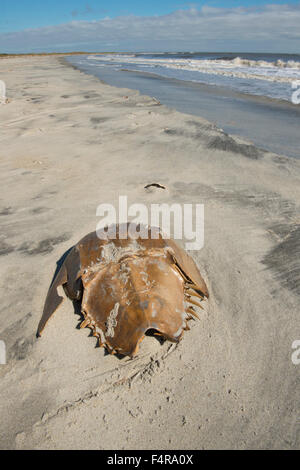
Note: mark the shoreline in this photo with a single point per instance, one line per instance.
(217, 89)
(214, 88)
(268, 123)
(69, 143)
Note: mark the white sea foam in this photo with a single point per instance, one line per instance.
(278, 71)
(264, 76)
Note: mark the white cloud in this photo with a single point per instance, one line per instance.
(269, 28)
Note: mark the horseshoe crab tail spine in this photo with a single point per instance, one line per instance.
(192, 312)
(196, 288)
(194, 293)
(191, 301)
(85, 323)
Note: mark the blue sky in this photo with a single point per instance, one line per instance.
(18, 15)
(212, 25)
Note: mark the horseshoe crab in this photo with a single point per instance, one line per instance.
(128, 287)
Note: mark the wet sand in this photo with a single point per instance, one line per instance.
(69, 143)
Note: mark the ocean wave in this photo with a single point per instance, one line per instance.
(240, 62)
(278, 71)
(224, 61)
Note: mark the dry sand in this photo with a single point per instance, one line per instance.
(69, 143)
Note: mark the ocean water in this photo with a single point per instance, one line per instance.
(270, 75)
(228, 93)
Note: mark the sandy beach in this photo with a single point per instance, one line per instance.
(70, 142)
